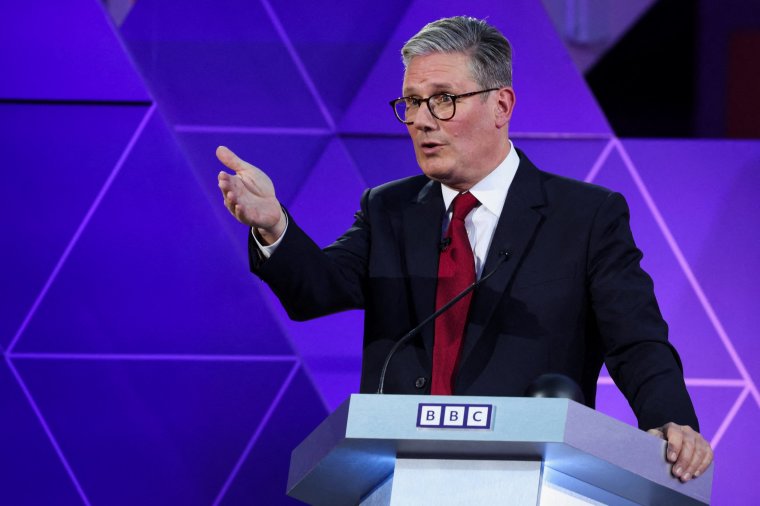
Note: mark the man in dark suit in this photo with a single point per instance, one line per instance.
(567, 292)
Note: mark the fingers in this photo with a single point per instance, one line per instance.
(674, 437)
(237, 212)
(701, 457)
(230, 188)
(255, 180)
(249, 193)
(683, 462)
(230, 202)
(689, 452)
(706, 460)
(230, 159)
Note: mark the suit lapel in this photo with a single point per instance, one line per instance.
(517, 225)
(422, 236)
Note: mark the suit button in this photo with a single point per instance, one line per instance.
(420, 382)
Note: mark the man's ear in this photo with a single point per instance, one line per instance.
(505, 104)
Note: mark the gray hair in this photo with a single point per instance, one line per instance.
(489, 51)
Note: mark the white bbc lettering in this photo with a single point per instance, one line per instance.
(453, 416)
(430, 416)
(477, 416)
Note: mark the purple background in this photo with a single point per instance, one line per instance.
(143, 364)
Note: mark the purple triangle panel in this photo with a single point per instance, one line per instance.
(155, 271)
(57, 158)
(735, 479)
(382, 159)
(30, 471)
(218, 63)
(339, 42)
(337, 377)
(573, 158)
(702, 352)
(64, 51)
(330, 348)
(153, 432)
(330, 195)
(706, 191)
(287, 159)
(551, 94)
(263, 477)
(325, 209)
(611, 402)
(712, 405)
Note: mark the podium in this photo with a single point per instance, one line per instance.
(411, 450)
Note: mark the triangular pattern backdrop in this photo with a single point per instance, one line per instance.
(143, 364)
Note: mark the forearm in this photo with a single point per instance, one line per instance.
(311, 282)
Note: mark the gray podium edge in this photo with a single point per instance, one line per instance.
(355, 448)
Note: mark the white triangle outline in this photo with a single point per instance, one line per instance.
(746, 380)
(82, 225)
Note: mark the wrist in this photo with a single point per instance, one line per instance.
(267, 236)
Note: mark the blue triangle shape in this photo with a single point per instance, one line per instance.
(687, 321)
(28, 459)
(154, 271)
(330, 347)
(707, 193)
(53, 58)
(734, 480)
(153, 432)
(208, 65)
(339, 58)
(68, 174)
(572, 158)
(263, 476)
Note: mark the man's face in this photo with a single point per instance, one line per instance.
(462, 151)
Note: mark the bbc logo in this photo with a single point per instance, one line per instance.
(454, 416)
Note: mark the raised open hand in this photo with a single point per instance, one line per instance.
(249, 195)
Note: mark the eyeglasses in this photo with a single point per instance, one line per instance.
(442, 106)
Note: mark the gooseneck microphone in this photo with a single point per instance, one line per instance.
(503, 257)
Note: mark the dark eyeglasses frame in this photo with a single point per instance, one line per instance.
(453, 98)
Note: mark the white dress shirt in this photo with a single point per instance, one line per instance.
(491, 192)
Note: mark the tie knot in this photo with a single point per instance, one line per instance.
(462, 205)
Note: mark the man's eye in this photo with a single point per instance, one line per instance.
(442, 99)
(413, 102)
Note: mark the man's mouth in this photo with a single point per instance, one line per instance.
(429, 147)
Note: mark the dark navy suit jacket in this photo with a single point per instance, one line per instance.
(571, 295)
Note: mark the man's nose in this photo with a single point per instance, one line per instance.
(424, 119)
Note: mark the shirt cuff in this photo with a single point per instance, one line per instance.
(266, 251)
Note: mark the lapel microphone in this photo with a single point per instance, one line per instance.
(503, 257)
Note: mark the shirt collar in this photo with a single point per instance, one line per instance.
(491, 191)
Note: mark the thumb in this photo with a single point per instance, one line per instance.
(230, 159)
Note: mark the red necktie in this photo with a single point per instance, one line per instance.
(456, 271)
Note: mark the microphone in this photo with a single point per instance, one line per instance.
(503, 257)
(445, 242)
